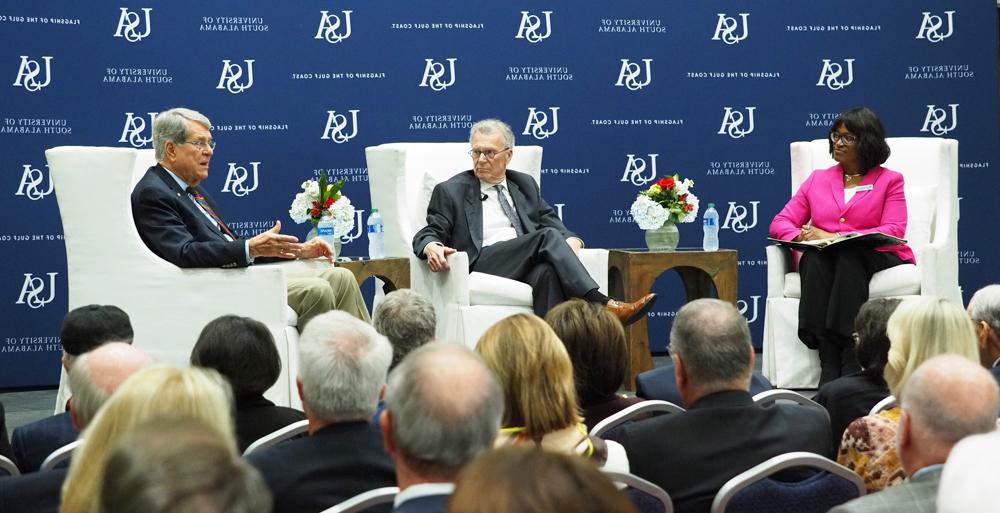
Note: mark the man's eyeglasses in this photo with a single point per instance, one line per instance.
(847, 139)
(489, 154)
(201, 145)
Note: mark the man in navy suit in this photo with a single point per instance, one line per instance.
(180, 222)
(661, 384)
(984, 309)
(431, 428)
(499, 218)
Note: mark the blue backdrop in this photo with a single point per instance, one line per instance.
(617, 93)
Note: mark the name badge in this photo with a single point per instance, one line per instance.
(862, 188)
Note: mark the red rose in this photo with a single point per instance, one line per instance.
(328, 202)
(682, 198)
(688, 208)
(664, 183)
(668, 183)
(315, 204)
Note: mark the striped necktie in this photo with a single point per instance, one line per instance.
(200, 200)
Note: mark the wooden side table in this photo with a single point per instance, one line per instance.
(395, 271)
(631, 273)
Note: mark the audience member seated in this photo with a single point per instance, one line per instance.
(527, 480)
(853, 396)
(970, 476)
(178, 464)
(723, 432)
(342, 370)
(921, 327)
(431, 427)
(945, 400)
(984, 308)
(82, 330)
(242, 350)
(540, 405)
(156, 390)
(595, 340)
(94, 376)
(407, 319)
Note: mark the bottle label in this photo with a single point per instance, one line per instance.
(376, 228)
(710, 221)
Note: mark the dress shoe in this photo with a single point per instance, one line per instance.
(628, 313)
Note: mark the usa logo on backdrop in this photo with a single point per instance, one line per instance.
(748, 308)
(635, 169)
(358, 230)
(538, 120)
(726, 30)
(832, 74)
(735, 123)
(236, 179)
(33, 291)
(231, 78)
(135, 126)
(30, 69)
(530, 26)
(736, 217)
(936, 120)
(931, 24)
(337, 126)
(435, 74)
(31, 181)
(333, 28)
(129, 23)
(631, 75)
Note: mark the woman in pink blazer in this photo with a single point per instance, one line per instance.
(856, 195)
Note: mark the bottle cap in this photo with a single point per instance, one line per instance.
(711, 205)
(374, 210)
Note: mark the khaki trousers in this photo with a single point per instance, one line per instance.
(312, 292)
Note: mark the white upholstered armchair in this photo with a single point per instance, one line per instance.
(930, 170)
(401, 177)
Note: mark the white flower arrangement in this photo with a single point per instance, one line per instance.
(318, 198)
(669, 199)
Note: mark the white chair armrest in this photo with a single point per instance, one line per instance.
(446, 287)
(596, 262)
(779, 263)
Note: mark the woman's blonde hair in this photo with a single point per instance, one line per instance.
(201, 394)
(923, 327)
(535, 373)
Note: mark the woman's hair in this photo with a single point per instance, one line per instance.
(873, 342)
(201, 394)
(535, 373)
(923, 327)
(526, 479)
(242, 350)
(866, 126)
(595, 340)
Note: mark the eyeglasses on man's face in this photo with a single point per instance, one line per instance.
(847, 139)
(489, 154)
(201, 144)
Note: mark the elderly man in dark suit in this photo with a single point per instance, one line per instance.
(945, 400)
(178, 221)
(499, 218)
(723, 432)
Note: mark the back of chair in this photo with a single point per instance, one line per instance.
(59, 456)
(290, 431)
(363, 501)
(650, 497)
(636, 410)
(8, 467)
(885, 404)
(779, 394)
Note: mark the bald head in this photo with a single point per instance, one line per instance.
(95, 375)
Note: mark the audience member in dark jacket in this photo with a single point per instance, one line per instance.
(660, 384)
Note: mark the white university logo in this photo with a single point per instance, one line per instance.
(531, 24)
(333, 28)
(33, 291)
(936, 120)
(736, 218)
(727, 27)
(129, 23)
(746, 307)
(134, 128)
(236, 180)
(538, 119)
(336, 126)
(27, 74)
(435, 74)
(733, 122)
(832, 74)
(358, 229)
(631, 73)
(559, 209)
(31, 181)
(232, 74)
(635, 169)
(930, 27)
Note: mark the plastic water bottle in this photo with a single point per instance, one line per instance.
(376, 235)
(324, 229)
(710, 224)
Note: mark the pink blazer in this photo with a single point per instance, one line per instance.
(821, 198)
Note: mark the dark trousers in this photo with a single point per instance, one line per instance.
(834, 286)
(541, 259)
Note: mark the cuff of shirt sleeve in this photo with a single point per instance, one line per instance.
(246, 252)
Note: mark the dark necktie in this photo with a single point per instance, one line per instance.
(508, 210)
(200, 200)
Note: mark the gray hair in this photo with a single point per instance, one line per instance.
(87, 396)
(985, 306)
(171, 125)
(713, 341)
(952, 397)
(445, 405)
(493, 126)
(342, 366)
(407, 318)
(95, 375)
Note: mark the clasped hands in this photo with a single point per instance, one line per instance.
(272, 243)
(809, 232)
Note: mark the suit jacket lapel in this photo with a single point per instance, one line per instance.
(868, 179)
(185, 200)
(474, 214)
(837, 189)
(520, 206)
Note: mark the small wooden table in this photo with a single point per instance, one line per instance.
(631, 273)
(394, 271)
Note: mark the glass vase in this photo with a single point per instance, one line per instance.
(664, 238)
